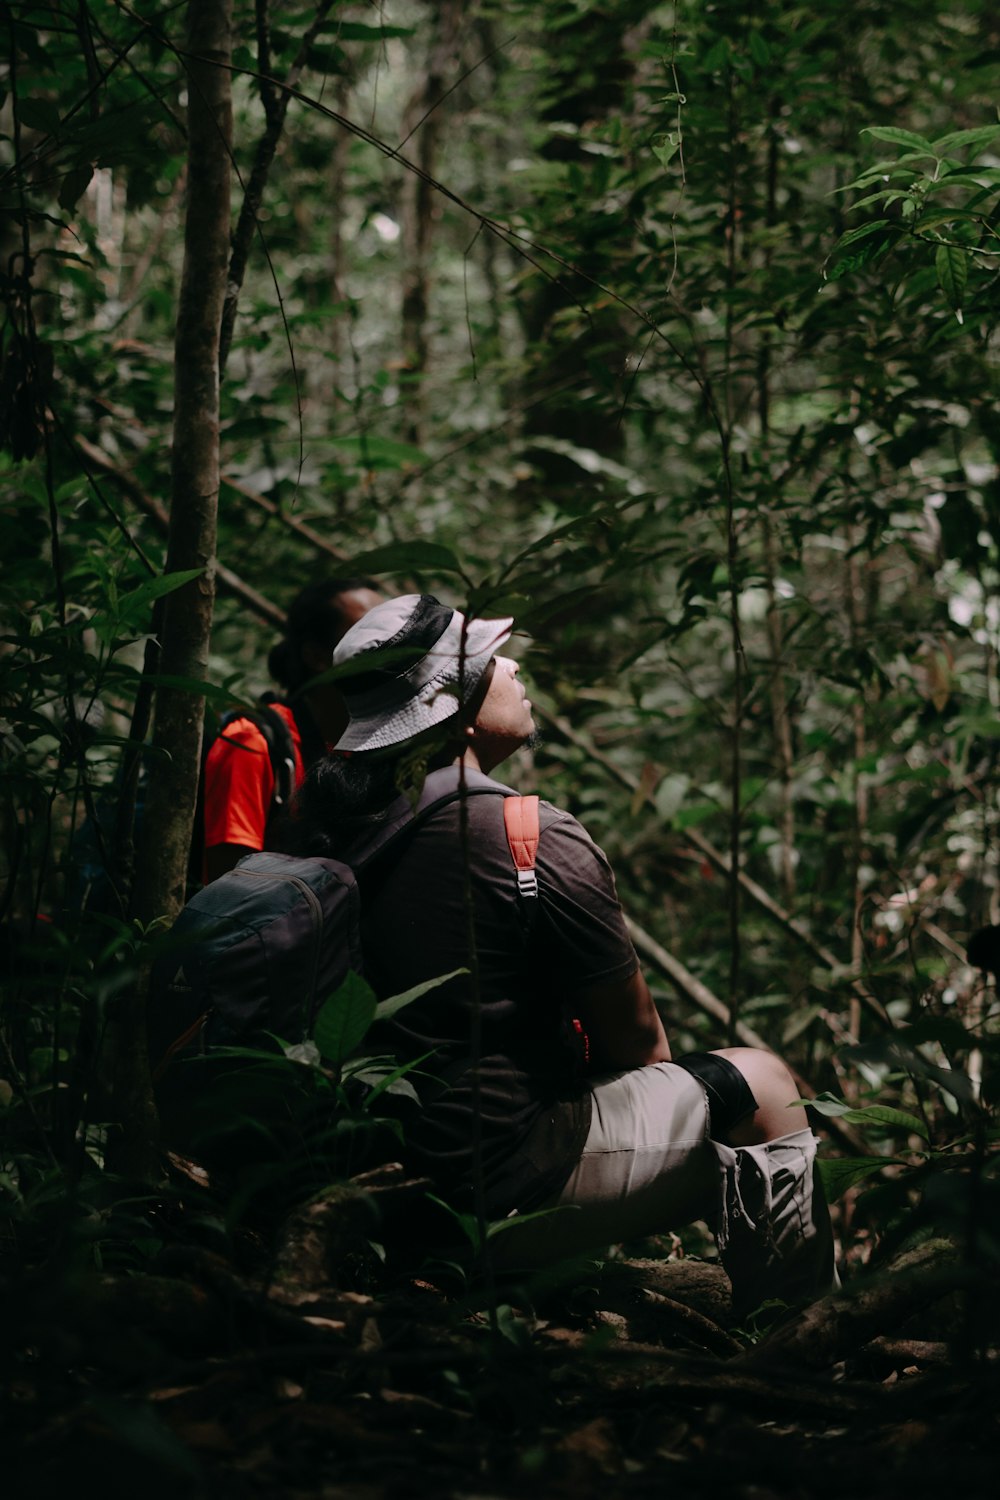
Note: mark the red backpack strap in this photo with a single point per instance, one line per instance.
(520, 819)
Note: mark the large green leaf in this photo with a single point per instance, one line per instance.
(952, 266)
(981, 135)
(407, 557)
(387, 1008)
(131, 610)
(379, 452)
(872, 1114)
(344, 1018)
(840, 1173)
(898, 137)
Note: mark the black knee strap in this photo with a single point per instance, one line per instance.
(730, 1098)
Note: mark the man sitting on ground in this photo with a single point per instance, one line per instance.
(638, 1142)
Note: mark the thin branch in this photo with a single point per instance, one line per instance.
(301, 528)
(226, 579)
(457, 84)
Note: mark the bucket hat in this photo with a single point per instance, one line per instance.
(417, 661)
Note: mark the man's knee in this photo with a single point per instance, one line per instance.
(773, 1087)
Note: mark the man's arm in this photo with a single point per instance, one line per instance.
(623, 1025)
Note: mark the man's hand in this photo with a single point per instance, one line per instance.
(624, 1027)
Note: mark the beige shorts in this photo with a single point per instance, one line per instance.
(647, 1167)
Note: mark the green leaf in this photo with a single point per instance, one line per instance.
(942, 216)
(759, 50)
(380, 453)
(131, 610)
(402, 557)
(387, 1008)
(344, 1018)
(883, 1114)
(389, 1080)
(665, 147)
(467, 1222)
(513, 1221)
(39, 114)
(837, 1174)
(695, 813)
(869, 251)
(74, 185)
(899, 137)
(852, 235)
(980, 136)
(135, 602)
(826, 1104)
(885, 197)
(873, 1114)
(219, 697)
(513, 1328)
(952, 267)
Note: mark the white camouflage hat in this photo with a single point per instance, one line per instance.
(426, 660)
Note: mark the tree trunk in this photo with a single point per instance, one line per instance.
(187, 616)
(425, 118)
(187, 619)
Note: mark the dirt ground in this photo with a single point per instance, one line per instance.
(309, 1371)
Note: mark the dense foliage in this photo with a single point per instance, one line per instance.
(670, 327)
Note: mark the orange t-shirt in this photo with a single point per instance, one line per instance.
(239, 782)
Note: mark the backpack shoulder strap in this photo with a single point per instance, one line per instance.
(278, 742)
(520, 819)
(280, 750)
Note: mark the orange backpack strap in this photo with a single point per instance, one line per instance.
(520, 819)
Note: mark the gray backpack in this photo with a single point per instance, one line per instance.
(254, 954)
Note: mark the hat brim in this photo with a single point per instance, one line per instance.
(374, 727)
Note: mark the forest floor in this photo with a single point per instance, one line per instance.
(259, 1372)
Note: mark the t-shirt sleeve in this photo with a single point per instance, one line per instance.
(239, 784)
(580, 927)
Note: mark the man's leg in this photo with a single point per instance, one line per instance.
(712, 1136)
(773, 1224)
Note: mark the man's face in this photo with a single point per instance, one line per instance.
(504, 721)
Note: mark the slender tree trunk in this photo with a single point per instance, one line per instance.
(340, 155)
(275, 100)
(187, 615)
(187, 621)
(424, 118)
(856, 615)
(780, 719)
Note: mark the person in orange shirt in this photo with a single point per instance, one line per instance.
(239, 784)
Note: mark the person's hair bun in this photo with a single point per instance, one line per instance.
(284, 664)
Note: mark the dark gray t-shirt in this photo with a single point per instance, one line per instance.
(533, 960)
